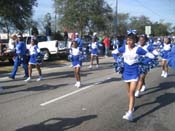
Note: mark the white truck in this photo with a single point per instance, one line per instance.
(53, 47)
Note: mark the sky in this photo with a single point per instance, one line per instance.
(156, 10)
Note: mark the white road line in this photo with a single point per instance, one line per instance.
(70, 94)
(64, 96)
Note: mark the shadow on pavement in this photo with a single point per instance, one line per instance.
(111, 80)
(160, 87)
(58, 124)
(163, 100)
(37, 88)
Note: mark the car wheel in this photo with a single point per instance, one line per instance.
(46, 54)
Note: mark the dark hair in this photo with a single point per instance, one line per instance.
(35, 41)
(169, 40)
(144, 36)
(132, 36)
(74, 42)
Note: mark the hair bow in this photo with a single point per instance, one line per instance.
(131, 32)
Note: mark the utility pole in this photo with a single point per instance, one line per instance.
(115, 17)
(55, 17)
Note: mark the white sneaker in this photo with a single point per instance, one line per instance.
(75, 84)
(1, 89)
(90, 67)
(78, 84)
(28, 79)
(39, 79)
(137, 93)
(143, 88)
(97, 66)
(163, 72)
(128, 116)
(165, 75)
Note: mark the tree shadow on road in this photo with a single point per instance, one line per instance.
(13, 86)
(163, 100)
(36, 88)
(160, 87)
(111, 80)
(58, 124)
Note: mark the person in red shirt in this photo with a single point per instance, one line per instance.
(106, 42)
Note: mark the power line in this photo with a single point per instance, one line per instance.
(155, 13)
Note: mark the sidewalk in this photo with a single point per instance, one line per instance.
(51, 65)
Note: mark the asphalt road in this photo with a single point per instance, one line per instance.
(54, 104)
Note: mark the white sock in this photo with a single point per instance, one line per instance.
(130, 112)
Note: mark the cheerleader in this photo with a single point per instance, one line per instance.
(148, 48)
(75, 55)
(171, 58)
(165, 50)
(94, 52)
(130, 74)
(34, 60)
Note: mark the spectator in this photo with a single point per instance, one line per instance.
(106, 43)
(12, 41)
(66, 37)
(48, 32)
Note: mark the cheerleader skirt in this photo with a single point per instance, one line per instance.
(76, 61)
(94, 52)
(130, 73)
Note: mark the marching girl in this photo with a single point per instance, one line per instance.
(94, 53)
(75, 55)
(34, 60)
(130, 74)
(165, 51)
(148, 48)
(171, 58)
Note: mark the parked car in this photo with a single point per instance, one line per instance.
(49, 48)
(6, 54)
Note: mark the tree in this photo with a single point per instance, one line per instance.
(122, 23)
(80, 14)
(160, 28)
(139, 23)
(16, 12)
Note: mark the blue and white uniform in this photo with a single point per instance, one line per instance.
(115, 43)
(146, 63)
(75, 57)
(165, 51)
(171, 58)
(131, 67)
(34, 51)
(79, 42)
(94, 48)
(20, 58)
